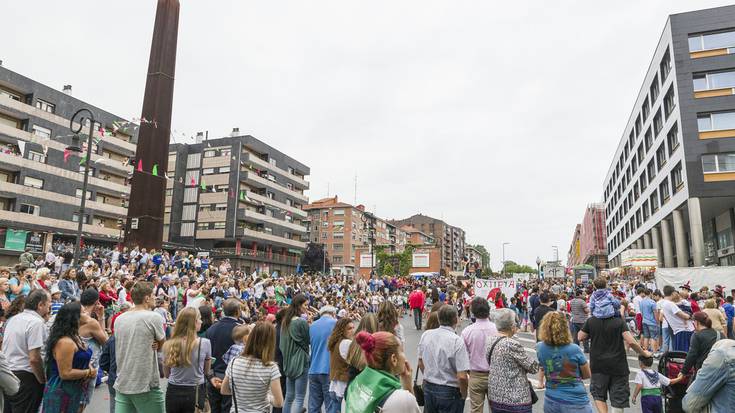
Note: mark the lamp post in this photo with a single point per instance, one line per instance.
(369, 225)
(538, 267)
(556, 253)
(504, 244)
(75, 140)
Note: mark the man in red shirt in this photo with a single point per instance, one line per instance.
(416, 302)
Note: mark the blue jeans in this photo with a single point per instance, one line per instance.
(729, 329)
(295, 393)
(553, 406)
(417, 318)
(665, 339)
(318, 393)
(335, 403)
(442, 399)
(576, 327)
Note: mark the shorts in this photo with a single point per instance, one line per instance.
(650, 331)
(617, 386)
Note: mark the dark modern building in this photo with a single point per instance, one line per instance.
(41, 181)
(238, 198)
(671, 184)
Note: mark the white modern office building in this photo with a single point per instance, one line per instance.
(671, 184)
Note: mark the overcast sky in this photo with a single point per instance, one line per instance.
(499, 117)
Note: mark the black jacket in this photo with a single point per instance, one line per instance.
(220, 336)
(701, 344)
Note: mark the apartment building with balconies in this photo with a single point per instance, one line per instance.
(671, 184)
(449, 238)
(41, 181)
(343, 228)
(238, 198)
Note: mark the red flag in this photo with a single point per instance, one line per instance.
(193, 181)
(140, 165)
(232, 194)
(67, 154)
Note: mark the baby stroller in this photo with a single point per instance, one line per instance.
(670, 365)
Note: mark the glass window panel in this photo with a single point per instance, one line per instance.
(695, 43)
(708, 163)
(724, 120)
(719, 40)
(721, 80)
(726, 162)
(700, 83)
(704, 123)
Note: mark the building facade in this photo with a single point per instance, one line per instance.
(671, 185)
(239, 198)
(574, 256)
(450, 239)
(593, 237)
(343, 228)
(41, 179)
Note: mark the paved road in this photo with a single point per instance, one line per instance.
(101, 397)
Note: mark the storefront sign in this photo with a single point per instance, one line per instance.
(35, 242)
(15, 239)
(420, 260)
(490, 288)
(366, 260)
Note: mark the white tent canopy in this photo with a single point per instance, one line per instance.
(698, 276)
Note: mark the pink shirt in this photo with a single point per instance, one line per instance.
(475, 337)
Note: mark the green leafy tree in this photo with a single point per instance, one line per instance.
(388, 269)
(513, 268)
(485, 255)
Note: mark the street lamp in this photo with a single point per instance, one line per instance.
(369, 225)
(504, 244)
(556, 253)
(76, 147)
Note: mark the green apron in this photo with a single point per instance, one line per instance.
(368, 389)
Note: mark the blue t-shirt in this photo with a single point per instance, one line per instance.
(648, 311)
(563, 376)
(319, 333)
(729, 311)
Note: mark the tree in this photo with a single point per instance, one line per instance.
(385, 262)
(513, 268)
(314, 259)
(485, 255)
(388, 269)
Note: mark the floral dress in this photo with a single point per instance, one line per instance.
(65, 395)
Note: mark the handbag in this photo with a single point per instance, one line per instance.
(418, 390)
(205, 408)
(534, 396)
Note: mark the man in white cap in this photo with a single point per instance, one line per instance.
(319, 333)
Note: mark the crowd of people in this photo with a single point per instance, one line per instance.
(229, 341)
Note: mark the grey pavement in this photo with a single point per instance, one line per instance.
(100, 400)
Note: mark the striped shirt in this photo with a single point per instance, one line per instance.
(250, 381)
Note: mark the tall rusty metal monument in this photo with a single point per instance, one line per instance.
(144, 224)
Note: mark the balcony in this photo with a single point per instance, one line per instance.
(256, 162)
(272, 202)
(256, 181)
(248, 253)
(53, 224)
(258, 218)
(269, 238)
(126, 148)
(100, 207)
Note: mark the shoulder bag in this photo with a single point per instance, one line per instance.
(534, 396)
(418, 390)
(204, 408)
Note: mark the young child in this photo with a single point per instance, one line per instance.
(240, 337)
(56, 302)
(602, 302)
(648, 384)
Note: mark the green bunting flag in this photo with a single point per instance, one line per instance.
(84, 159)
(242, 195)
(155, 170)
(204, 185)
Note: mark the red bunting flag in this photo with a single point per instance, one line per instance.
(67, 154)
(140, 165)
(193, 181)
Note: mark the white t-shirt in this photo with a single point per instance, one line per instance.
(561, 305)
(24, 332)
(401, 401)
(659, 308)
(637, 303)
(640, 378)
(677, 324)
(336, 386)
(251, 380)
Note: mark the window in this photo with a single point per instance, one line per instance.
(661, 156)
(75, 218)
(717, 80)
(290, 170)
(665, 66)
(645, 110)
(677, 180)
(207, 171)
(338, 235)
(643, 181)
(45, 106)
(220, 207)
(41, 132)
(192, 178)
(210, 154)
(9, 94)
(716, 121)
(339, 212)
(638, 126)
(202, 225)
(169, 191)
(225, 152)
(272, 161)
(672, 139)
(654, 89)
(658, 123)
(190, 194)
(224, 170)
(669, 102)
(188, 212)
(721, 162)
(30, 209)
(663, 191)
(324, 235)
(193, 161)
(724, 238)
(78, 194)
(36, 156)
(219, 225)
(338, 223)
(648, 139)
(654, 201)
(187, 229)
(33, 182)
(709, 41)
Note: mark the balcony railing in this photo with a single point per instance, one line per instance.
(252, 216)
(259, 163)
(259, 255)
(258, 181)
